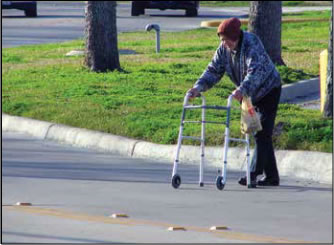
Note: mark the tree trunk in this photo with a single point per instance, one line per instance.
(101, 36)
(265, 18)
(328, 109)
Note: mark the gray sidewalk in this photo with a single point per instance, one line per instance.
(313, 166)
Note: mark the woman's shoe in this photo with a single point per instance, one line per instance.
(243, 181)
(268, 182)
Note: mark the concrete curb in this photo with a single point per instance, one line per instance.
(299, 89)
(91, 139)
(315, 166)
(36, 128)
(69, 135)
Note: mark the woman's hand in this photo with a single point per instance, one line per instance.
(237, 95)
(193, 93)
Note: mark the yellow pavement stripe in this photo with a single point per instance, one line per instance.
(131, 222)
(245, 236)
(216, 23)
(85, 217)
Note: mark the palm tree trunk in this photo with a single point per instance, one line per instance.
(101, 36)
(265, 18)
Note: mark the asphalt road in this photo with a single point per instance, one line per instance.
(63, 21)
(60, 21)
(74, 191)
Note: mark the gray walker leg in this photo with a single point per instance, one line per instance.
(176, 179)
(221, 180)
(201, 166)
(248, 162)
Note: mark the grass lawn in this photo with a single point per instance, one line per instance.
(145, 100)
(246, 3)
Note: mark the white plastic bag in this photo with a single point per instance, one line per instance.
(250, 120)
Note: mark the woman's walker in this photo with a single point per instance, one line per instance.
(221, 179)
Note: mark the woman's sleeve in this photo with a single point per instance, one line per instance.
(259, 67)
(213, 73)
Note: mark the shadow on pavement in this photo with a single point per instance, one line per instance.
(61, 238)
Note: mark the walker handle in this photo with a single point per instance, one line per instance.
(229, 100)
(188, 95)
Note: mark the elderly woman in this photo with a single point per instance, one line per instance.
(242, 56)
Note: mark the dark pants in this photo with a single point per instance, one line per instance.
(264, 157)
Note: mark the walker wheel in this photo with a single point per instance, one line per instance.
(176, 181)
(219, 183)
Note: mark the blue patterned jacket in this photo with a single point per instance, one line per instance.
(257, 72)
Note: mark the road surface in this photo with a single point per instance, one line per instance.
(73, 192)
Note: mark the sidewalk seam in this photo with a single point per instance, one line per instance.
(47, 132)
(134, 146)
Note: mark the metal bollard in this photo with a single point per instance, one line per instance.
(156, 27)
